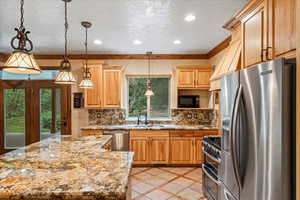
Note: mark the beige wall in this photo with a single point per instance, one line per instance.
(131, 67)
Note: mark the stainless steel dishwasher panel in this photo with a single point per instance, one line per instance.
(120, 139)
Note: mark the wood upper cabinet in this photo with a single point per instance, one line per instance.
(181, 150)
(203, 78)
(268, 30)
(186, 78)
(284, 28)
(255, 36)
(193, 77)
(107, 89)
(93, 95)
(111, 87)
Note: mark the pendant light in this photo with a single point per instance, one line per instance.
(86, 82)
(21, 61)
(65, 76)
(149, 92)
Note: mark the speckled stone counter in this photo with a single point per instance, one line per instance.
(65, 168)
(149, 127)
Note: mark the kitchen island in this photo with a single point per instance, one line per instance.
(63, 167)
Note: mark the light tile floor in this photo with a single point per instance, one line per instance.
(166, 183)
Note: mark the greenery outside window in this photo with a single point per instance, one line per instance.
(159, 104)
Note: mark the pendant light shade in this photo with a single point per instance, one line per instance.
(149, 92)
(86, 82)
(21, 61)
(65, 75)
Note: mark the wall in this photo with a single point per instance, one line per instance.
(131, 67)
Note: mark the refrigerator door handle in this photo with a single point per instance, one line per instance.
(234, 139)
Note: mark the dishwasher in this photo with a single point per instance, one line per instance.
(120, 139)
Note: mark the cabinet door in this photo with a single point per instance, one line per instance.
(140, 147)
(203, 78)
(111, 88)
(186, 78)
(284, 27)
(159, 150)
(181, 150)
(254, 27)
(93, 95)
(198, 150)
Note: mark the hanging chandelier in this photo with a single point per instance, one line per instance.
(149, 92)
(21, 61)
(65, 76)
(86, 82)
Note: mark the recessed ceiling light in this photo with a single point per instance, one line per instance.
(137, 42)
(177, 42)
(190, 18)
(98, 42)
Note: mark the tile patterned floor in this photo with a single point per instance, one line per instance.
(166, 183)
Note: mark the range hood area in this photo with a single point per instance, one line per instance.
(230, 62)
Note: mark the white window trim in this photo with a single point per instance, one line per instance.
(169, 118)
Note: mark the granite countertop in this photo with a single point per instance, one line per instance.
(65, 168)
(150, 127)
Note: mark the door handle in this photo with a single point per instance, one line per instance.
(234, 134)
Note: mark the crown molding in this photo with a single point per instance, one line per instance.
(220, 47)
(224, 44)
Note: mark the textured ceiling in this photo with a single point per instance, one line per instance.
(117, 23)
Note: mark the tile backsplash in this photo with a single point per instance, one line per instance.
(179, 116)
(107, 117)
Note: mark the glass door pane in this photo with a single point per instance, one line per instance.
(50, 112)
(14, 118)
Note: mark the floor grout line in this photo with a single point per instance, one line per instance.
(159, 187)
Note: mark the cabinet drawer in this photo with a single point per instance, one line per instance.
(182, 133)
(149, 133)
(91, 132)
(203, 133)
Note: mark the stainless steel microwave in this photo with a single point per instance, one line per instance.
(189, 101)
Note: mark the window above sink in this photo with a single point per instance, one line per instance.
(159, 108)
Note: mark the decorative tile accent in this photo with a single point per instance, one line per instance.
(177, 183)
(179, 117)
(193, 117)
(107, 117)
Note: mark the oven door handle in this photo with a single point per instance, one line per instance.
(210, 156)
(209, 176)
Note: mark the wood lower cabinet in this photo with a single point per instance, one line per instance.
(159, 150)
(150, 147)
(91, 132)
(140, 146)
(168, 147)
(181, 150)
(198, 159)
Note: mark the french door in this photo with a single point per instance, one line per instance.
(32, 110)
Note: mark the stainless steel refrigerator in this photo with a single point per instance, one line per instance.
(258, 112)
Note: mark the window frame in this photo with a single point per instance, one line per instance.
(169, 118)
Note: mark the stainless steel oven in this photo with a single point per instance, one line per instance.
(210, 168)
